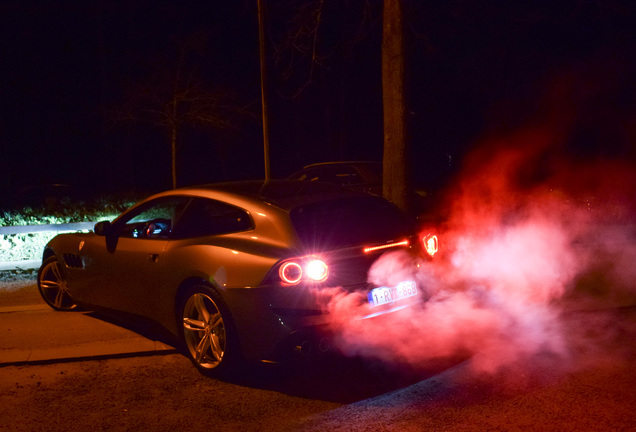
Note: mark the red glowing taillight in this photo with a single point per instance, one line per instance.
(385, 246)
(312, 269)
(291, 272)
(431, 244)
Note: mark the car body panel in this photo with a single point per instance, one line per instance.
(144, 275)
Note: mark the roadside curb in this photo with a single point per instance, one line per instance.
(82, 352)
(24, 308)
(36, 334)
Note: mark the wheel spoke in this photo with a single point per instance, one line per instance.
(50, 284)
(204, 345)
(56, 271)
(215, 321)
(216, 349)
(194, 325)
(59, 298)
(201, 308)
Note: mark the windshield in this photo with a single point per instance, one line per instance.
(348, 222)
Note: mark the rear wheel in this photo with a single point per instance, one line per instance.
(53, 287)
(206, 331)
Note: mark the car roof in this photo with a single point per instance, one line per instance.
(284, 194)
(342, 173)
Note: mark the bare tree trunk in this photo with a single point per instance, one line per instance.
(173, 142)
(264, 105)
(395, 159)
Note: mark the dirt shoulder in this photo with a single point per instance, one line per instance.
(19, 292)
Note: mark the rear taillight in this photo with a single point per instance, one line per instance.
(385, 246)
(317, 270)
(430, 243)
(291, 272)
(310, 269)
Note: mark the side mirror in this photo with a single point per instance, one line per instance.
(103, 228)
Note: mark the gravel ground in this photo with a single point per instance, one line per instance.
(160, 393)
(166, 393)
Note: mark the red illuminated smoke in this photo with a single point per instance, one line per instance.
(522, 231)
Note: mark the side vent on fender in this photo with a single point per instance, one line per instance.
(73, 261)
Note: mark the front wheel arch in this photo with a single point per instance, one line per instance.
(48, 253)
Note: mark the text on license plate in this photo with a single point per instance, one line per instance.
(383, 295)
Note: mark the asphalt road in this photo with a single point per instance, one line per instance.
(156, 389)
(31, 332)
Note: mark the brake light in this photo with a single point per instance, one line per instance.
(292, 272)
(317, 270)
(431, 244)
(385, 246)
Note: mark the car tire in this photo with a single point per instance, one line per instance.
(207, 333)
(53, 287)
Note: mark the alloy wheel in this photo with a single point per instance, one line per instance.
(53, 286)
(204, 331)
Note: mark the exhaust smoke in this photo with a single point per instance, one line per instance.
(528, 239)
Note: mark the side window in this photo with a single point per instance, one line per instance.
(308, 175)
(205, 217)
(155, 219)
(346, 176)
(339, 175)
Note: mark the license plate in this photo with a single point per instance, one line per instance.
(384, 295)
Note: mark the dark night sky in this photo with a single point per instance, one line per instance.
(475, 69)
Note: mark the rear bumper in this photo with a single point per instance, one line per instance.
(270, 332)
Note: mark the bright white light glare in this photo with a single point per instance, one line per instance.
(317, 270)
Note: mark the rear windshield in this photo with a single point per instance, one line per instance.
(349, 222)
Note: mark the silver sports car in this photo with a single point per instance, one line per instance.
(231, 270)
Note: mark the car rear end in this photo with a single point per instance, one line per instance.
(340, 239)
